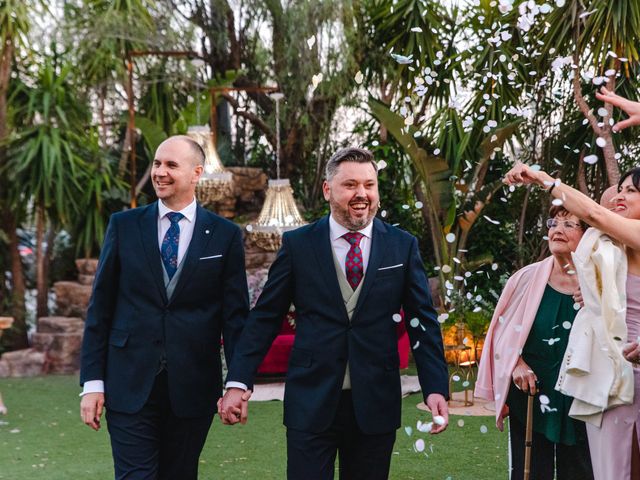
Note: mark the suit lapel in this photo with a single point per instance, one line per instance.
(202, 233)
(378, 250)
(324, 255)
(149, 232)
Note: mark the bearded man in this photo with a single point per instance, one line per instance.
(349, 275)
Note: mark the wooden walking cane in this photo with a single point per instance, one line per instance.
(528, 436)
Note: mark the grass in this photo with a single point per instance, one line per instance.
(50, 442)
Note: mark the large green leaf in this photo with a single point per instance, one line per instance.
(433, 170)
(152, 133)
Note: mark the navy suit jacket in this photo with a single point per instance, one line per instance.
(304, 273)
(131, 323)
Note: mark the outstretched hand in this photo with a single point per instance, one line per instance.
(234, 406)
(439, 408)
(522, 174)
(629, 107)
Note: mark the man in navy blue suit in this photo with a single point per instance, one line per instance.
(349, 275)
(171, 280)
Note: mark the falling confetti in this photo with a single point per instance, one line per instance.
(311, 41)
(439, 420)
(591, 159)
(401, 59)
(419, 445)
(359, 77)
(483, 429)
(450, 238)
(397, 317)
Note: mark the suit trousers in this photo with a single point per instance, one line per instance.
(550, 460)
(154, 444)
(311, 456)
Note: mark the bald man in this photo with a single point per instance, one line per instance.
(170, 282)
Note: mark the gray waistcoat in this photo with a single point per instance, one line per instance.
(350, 298)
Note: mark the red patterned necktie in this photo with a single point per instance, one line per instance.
(353, 263)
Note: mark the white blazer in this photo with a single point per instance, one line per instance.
(593, 370)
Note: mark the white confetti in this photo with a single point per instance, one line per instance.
(443, 317)
(397, 317)
(408, 431)
(419, 445)
(483, 429)
(416, 29)
(450, 238)
(311, 41)
(419, 204)
(461, 423)
(591, 159)
(439, 420)
(417, 345)
(414, 322)
(381, 165)
(401, 59)
(359, 77)
(566, 325)
(544, 400)
(603, 112)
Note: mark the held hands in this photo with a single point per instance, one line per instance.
(524, 378)
(91, 406)
(439, 408)
(234, 406)
(629, 107)
(577, 297)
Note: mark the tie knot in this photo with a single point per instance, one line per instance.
(174, 217)
(353, 238)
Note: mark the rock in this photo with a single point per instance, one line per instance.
(72, 299)
(62, 350)
(22, 363)
(86, 279)
(60, 338)
(250, 185)
(60, 325)
(87, 266)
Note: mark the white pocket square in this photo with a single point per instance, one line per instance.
(212, 256)
(392, 266)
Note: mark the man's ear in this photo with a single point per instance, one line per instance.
(197, 172)
(326, 189)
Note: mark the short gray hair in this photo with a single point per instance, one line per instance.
(350, 154)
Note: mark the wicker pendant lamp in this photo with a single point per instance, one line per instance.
(279, 212)
(216, 182)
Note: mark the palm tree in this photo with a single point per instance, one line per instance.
(14, 26)
(43, 166)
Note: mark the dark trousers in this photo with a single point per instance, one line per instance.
(154, 444)
(312, 456)
(569, 462)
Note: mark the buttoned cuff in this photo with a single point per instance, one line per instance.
(93, 386)
(239, 385)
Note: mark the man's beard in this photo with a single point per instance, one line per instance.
(343, 218)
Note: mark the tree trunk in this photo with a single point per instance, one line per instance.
(16, 337)
(41, 286)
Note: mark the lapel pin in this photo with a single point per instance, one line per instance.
(207, 231)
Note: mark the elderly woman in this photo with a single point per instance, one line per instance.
(613, 438)
(523, 351)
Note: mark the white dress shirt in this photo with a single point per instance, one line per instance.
(340, 246)
(186, 225)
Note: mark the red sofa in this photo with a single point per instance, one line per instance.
(277, 359)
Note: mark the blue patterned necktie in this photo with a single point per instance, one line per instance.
(169, 248)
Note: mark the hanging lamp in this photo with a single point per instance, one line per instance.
(216, 182)
(279, 212)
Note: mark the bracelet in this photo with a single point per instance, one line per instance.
(553, 185)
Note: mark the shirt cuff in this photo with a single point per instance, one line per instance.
(93, 386)
(240, 385)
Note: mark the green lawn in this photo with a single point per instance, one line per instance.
(42, 437)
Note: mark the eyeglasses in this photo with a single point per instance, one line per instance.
(567, 224)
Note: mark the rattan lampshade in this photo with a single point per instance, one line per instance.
(216, 182)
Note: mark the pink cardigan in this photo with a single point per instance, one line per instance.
(508, 332)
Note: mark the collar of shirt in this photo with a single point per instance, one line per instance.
(189, 211)
(336, 230)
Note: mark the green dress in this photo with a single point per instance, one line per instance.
(543, 352)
